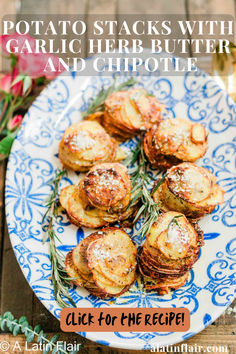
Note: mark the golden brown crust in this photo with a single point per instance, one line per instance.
(107, 186)
(84, 145)
(164, 285)
(80, 216)
(174, 140)
(105, 269)
(170, 250)
(114, 256)
(72, 271)
(189, 189)
(102, 197)
(127, 113)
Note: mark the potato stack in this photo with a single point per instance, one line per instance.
(172, 141)
(128, 113)
(86, 144)
(169, 252)
(104, 263)
(189, 189)
(102, 197)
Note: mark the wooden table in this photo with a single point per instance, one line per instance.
(16, 295)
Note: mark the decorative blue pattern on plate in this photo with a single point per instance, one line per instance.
(33, 161)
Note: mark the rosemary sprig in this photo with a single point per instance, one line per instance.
(21, 326)
(51, 202)
(60, 281)
(174, 220)
(97, 104)
(141, 181)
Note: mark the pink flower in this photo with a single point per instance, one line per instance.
(7, 80)
(32, 64)
(15, 122)
(17, 40)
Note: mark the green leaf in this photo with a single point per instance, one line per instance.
(40, 339)
(6, 143)
(22, 319)
(40, 80)
(8, 315)
(97, 104)
(16, 330)
(1, 105)
(54, 338)
(19, 77)
(45, 351)
(3, 324)
(30, 337)
(9, 325)
(55, 350)
(24, 326)
(13, 60)
(158, 184)
(27, 83)
(37, 329)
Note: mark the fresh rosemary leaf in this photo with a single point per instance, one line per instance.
(158, 184)
(58, 274)
(173, 220)
(97, 104)
(141, 182)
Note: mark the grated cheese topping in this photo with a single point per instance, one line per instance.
(179, 136)
(106, 180)
(80, 141)
(178, 237)
(100, 253)
(191, 182)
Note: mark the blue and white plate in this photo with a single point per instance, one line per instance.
(34, 159)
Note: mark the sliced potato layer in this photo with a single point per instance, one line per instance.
(164, 284)
(114, 256)
(107, 186)
(106, 268)
(174, 140)
(102, 197)
(127, 113)
(86, 144)
(170, 250)
(189, 189)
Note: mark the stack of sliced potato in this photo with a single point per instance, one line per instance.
(169, 252)
(127, 113)
(189, 189)
(102, 197)
(86, 144)
(104, 263)
(172, 141)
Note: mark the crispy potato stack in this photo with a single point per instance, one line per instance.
(172, 141)
(102, 197)
(189, 189)
(127, 113)
(86, 144)
(104, 263)
(169, 252)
